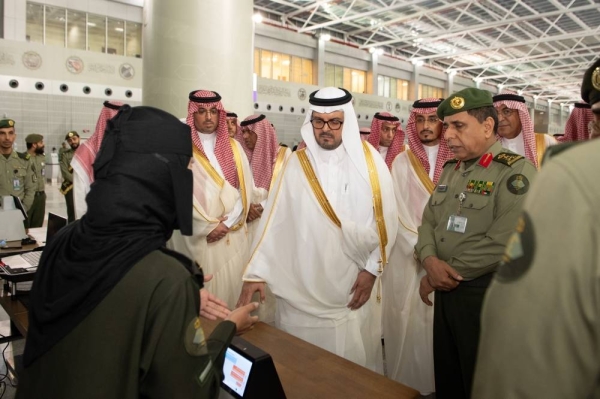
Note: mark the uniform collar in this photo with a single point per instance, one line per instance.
(485, 160)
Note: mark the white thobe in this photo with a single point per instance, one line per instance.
(310, 263)
(407, 321)
(226, 258)
(432, 152)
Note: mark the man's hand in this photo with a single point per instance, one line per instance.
(362, 289)
(440, 274)
(219, 232)
(424, 290)
(242, 318)
(248, 289)
(212, 307)
(255, 212)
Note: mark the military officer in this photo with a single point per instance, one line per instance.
(35, 150)
(66, 170)
(16, 171)
(466, 224)
(548, 287)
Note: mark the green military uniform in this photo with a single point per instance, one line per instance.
(37, 211)
(466, 223)
(67, 184)
(141, 341)
(18, 178)
(541, 317)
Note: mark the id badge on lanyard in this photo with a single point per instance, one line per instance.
(458, 223)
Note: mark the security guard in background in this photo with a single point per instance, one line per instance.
(35, 149)
(466, 224)
(16, 172)
(66, 170)
(541, 318)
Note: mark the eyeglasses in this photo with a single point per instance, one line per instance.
(506, 112)
(334, 124)
(204, 111)
(432, 120)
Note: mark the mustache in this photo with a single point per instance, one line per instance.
(323, 134)
(426, 131)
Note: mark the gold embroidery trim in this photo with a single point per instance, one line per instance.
(201, 158)
(240, 172)
(268, 223)
(316, 187)
(278, 165)
(540, 147)
(377, 203)
(421, 172)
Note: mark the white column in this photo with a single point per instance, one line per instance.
(193, 45)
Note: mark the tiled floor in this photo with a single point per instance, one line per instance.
(55, 203)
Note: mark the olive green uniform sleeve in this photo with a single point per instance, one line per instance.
(484, 256)
(65, 166)
(541, 316)
(172, 366)
(30, 185)
(425, 246)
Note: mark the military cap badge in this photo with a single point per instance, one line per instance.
(596, 78)
(457, 102)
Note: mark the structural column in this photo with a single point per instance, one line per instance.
(191, 45)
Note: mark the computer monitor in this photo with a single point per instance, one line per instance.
(55, 223)
(249, 372)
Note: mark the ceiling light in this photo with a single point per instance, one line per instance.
(520, 92)
(325, 37)
(91, 24)
(119, 29)
(418, 62)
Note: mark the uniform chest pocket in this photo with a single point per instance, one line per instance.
(438, 198)
(476, 201)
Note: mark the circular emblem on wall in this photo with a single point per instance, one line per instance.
(32, 60)
(388, 106)
(398, 107)
(457, 102)
(301, 94)
(126, 71)
(74, 64)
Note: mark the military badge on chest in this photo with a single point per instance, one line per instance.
(481, 187)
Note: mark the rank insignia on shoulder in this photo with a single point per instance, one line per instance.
(517, 184)
(480, 187)
(442, 188)
(24, 155)
(508, 158)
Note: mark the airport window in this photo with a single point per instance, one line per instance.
(57, 26)
(285, 67)
(392, 87)
(426, 91)
(353, 80)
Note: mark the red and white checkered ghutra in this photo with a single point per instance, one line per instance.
(262, 158)
(397, 145)
(223, 152)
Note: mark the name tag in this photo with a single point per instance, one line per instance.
(458, 224)
(442, 188)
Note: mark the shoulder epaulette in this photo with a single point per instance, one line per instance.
(24, 155)
(450, 161)
(508, 158)
(553, 150)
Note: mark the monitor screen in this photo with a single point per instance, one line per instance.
(236, 370)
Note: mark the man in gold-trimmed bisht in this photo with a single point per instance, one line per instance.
(222, 193)
(407, 321)
(324, 236)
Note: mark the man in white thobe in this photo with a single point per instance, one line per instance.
(324, 236)
(407, 321)
(222, 193)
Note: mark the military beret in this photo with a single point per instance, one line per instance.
(590, 87)
(71, 134)
(4, 123)
(464, 100)
(34, 138)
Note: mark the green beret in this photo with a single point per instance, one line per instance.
(4, 123)
(464, 100)
(590, 87)
(71, 134)
(34, 138)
